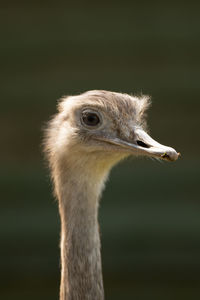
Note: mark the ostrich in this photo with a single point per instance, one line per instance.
(91, 133)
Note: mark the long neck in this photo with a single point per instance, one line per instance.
(81, 275)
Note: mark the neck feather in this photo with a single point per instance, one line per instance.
(78, 192)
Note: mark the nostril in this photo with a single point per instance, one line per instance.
(142, 144)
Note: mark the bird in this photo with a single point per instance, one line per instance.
(90, 133)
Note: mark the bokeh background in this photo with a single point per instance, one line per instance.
(150, 212)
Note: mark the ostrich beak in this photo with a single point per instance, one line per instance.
(148, 146)
(143, 144)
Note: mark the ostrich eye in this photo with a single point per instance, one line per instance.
(90, 118)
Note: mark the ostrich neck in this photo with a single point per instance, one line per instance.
(81, 274)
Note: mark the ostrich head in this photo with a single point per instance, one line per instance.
(91, 133)
(97, 129)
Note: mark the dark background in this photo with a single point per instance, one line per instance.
(150, 212)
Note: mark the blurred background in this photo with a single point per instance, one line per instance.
(150, 212)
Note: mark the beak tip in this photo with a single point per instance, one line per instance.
(171, 156)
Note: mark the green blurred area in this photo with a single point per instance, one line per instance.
(149, 215)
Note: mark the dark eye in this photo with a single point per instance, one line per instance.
(90, 118)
